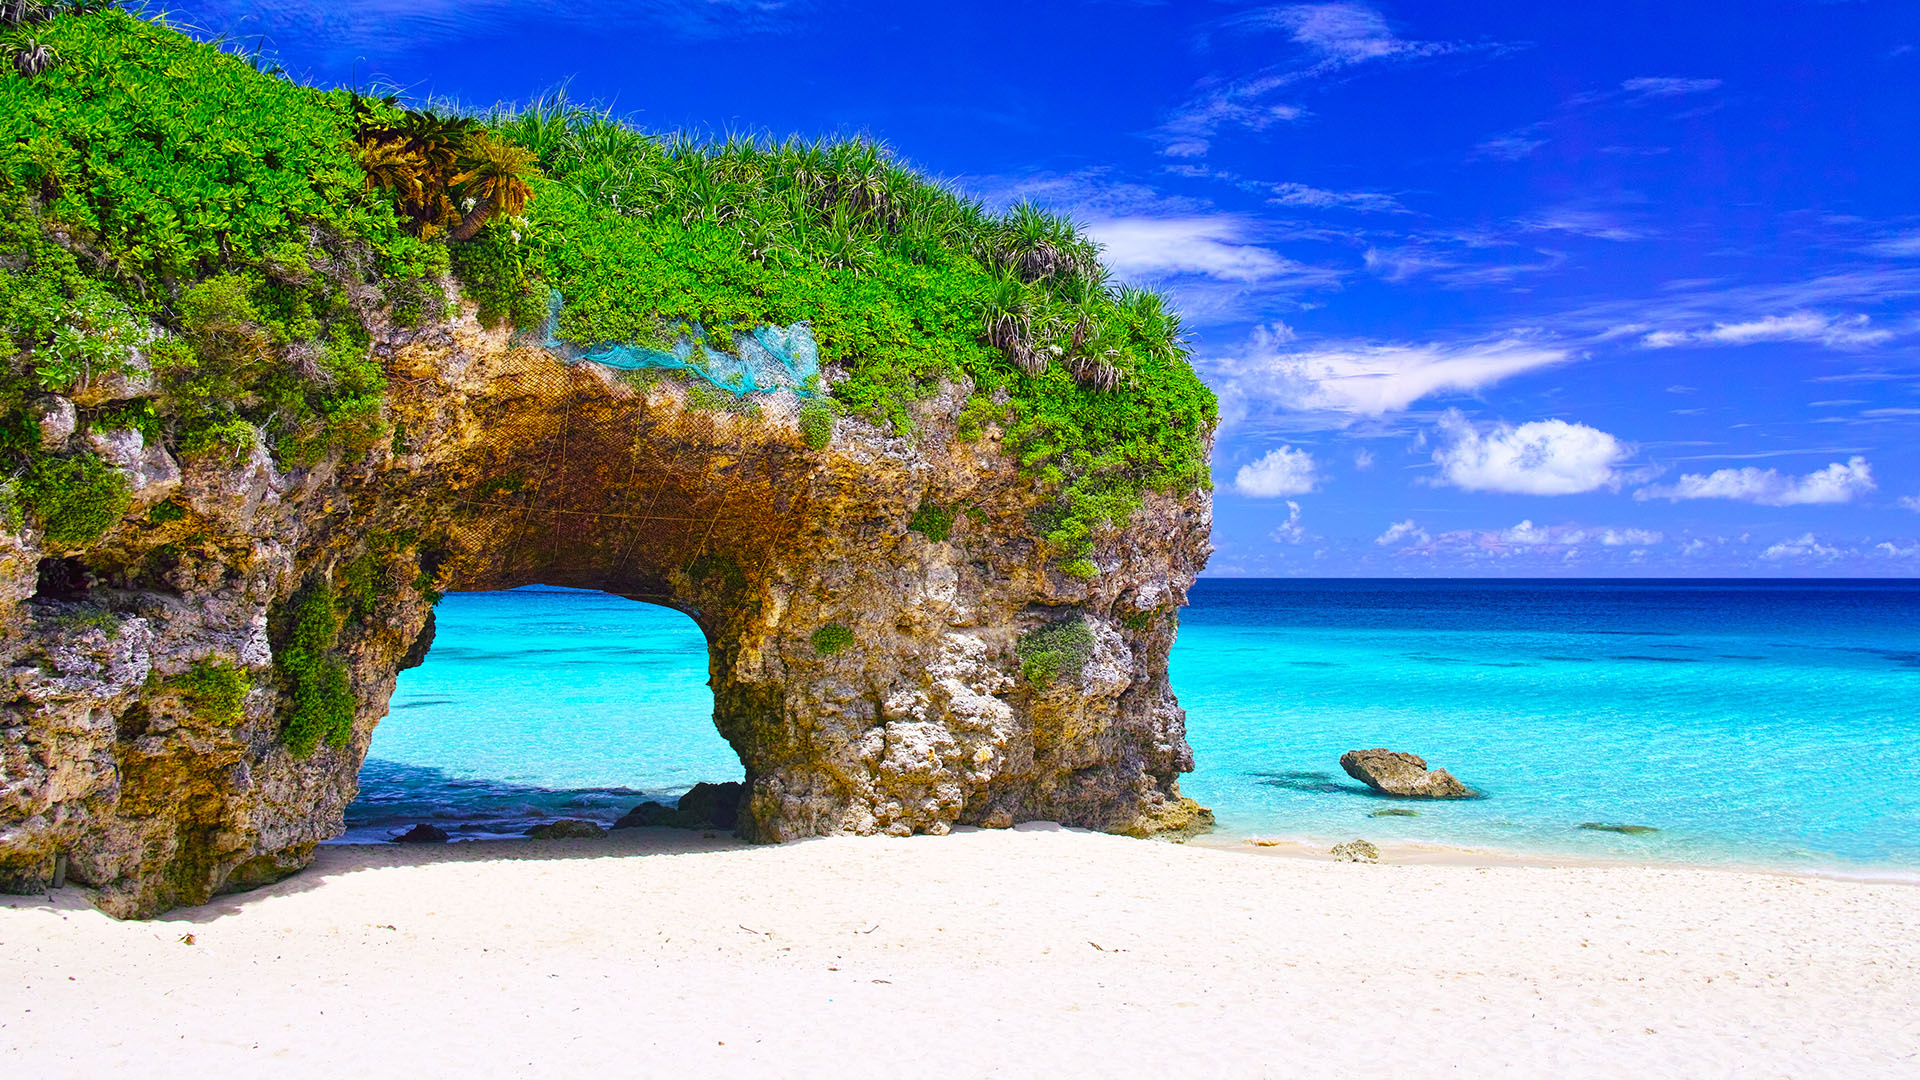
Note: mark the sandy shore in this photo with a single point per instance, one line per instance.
(1035, 952)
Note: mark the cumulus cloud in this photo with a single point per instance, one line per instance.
(1363, 459)
(1895, 551)
(1282, 472)
(1806, 547)
(1527, 534)
(1837, 483)
(1368, 379)
(1544, 457)
(1212, 246)
(1401, 531)
(1631, 537)
(1290, 531)
(1832, 331)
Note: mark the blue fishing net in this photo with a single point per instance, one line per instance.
(770, 359)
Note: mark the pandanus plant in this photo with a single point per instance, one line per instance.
(32, 56)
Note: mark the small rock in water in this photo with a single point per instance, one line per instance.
(1396, 773)
(1630, 830)
(1395, 811)
(704, 806)
(423, 834)
(1355, 851)
(565, 829)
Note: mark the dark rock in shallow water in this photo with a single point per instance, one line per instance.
(1396, 773)
(1355, 851)
(704, 806)
(717, 805)
(651, 813)
(1395, 811)
(1630, 830)
(423, 834)
(565, 829)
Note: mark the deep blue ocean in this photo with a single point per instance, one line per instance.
(1756, 723)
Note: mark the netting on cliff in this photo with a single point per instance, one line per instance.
(768, 360)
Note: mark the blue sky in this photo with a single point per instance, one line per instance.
(1485, 289)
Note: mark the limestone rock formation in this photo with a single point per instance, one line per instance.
(191, 696)
(1396, 773)
(1355, 851)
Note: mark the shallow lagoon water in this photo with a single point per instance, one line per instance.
(1751, 723)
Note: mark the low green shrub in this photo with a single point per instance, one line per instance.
(816, 423)
(215, 689)
(76, 499)
(320, 702)
(1059, 650)
(933, 521)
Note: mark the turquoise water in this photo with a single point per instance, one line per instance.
(1753, 723)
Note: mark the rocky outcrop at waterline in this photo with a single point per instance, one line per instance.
(190, 696)
(1391, 772)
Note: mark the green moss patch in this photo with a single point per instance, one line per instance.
(831, 638)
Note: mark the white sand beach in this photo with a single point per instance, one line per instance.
(1035, 952)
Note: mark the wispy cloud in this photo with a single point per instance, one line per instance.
(1837, 483)
(1214, 246)
(1281, 472)
(1900, 246)
(1368, 379)
(1523, 539)
(1325, 39)
(1648, 88)
(1303, 195)
(1911, 502)
(1290, 531)
(1832, 331)
(1544, 457)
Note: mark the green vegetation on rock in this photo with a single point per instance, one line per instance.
(933, 521)
(1058, 650)
(172, 214)
(320, 702)
(76, 499)
(215, 689)
(831, 638)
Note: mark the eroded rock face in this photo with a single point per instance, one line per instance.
(507, 467)
(1396, 773)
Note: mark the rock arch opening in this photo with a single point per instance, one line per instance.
(537, 705)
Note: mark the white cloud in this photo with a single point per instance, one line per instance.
(1512, 146)
(1527, 534)
(1806, 547)
(1630, 537)
(1290, 531)
(1363, 459)
(1367, 379)
(1283, 471)
(1207, 246)
(1833, 331)
(1911, 502)
(1895, 551)
(1544, 457)
(1837, 483)
(1402, 530)
(1321, 199)
(1667, 87)
(1695, 547)
(1904, 246)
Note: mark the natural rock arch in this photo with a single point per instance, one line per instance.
(865, 605)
